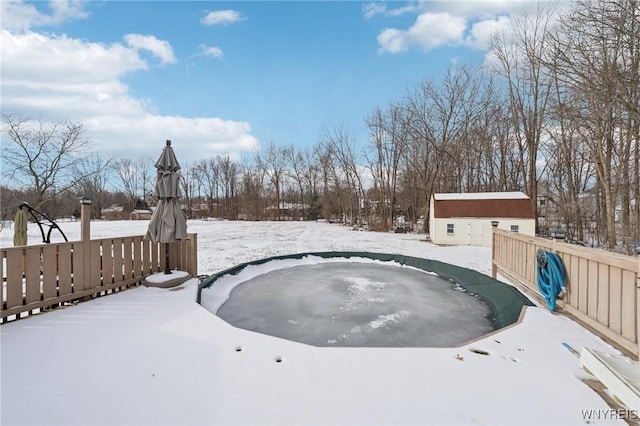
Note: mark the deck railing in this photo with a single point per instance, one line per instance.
(603, 288)
(38, 277)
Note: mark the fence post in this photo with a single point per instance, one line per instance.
(494, 269)
(85, 237)
(193, 255)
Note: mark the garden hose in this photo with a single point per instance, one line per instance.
(551, 276)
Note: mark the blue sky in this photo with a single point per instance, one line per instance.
(229, 77)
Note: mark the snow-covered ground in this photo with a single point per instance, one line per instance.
(151, 356)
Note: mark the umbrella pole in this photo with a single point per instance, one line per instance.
(166, 259)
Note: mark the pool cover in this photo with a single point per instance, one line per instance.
(505, 301)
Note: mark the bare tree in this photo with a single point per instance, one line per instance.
(529, 86)
(439, 118)
(229, 183)
(127, 170)
(91, 177)
(146, 178)
(296, 172)
(250, 195)
(41, 156)
(343, 149)
(596, 58)
(274, 162)
(388, 142)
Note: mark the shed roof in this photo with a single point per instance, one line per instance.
(483, 205)
(481, 196)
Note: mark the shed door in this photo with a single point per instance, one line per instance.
(475, 235)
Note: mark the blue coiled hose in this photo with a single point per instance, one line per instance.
(551, 275)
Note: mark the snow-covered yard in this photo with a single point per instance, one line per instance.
(151, 356)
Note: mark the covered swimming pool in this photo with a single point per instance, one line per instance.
(361, 299)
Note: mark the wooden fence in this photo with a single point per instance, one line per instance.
(37, 277)
(603, 288)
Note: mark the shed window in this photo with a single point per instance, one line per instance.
(514, 228)
(449, 228)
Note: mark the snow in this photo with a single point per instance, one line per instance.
(161, 277)
(153, 356)
(481, 196)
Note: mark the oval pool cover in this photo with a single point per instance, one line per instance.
(357, 304)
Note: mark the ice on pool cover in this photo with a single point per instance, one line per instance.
(357, 304)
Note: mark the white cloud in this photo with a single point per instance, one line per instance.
(430, 30)
(160, 48)
(221, 17)
(392, 40)
(18, 15)
(435, 29)
(446, 23)
(82, 82)
(214, 51)
(482, 31)
(68, 60)
(369, 10)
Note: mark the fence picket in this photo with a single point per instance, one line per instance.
(50, 271)
(33, 268)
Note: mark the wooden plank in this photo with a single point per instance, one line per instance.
(118, 274)
(573, 280)
(50, 271)
(531, 262)
(64, 269)
(146, 257)
(107, 262)
(32, 274)
(95, 280)
(193, 254)
(155, 257)
(615, 299)
(15, 269)
(603, 294)
(175, 255)
(592, 291)
(127, 258)
(78, 267)
(584, 285)
(629, 306)
(138, 270)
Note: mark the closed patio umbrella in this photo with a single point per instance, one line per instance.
(168, 222)
(20, 228)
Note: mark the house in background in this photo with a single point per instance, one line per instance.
(465, 219)
(114, 212)
(140, 214)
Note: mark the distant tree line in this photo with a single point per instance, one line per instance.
(553, 111)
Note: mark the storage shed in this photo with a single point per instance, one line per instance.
(465, 219)
(141, 214)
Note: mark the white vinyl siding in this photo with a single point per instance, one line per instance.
(474, 231)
